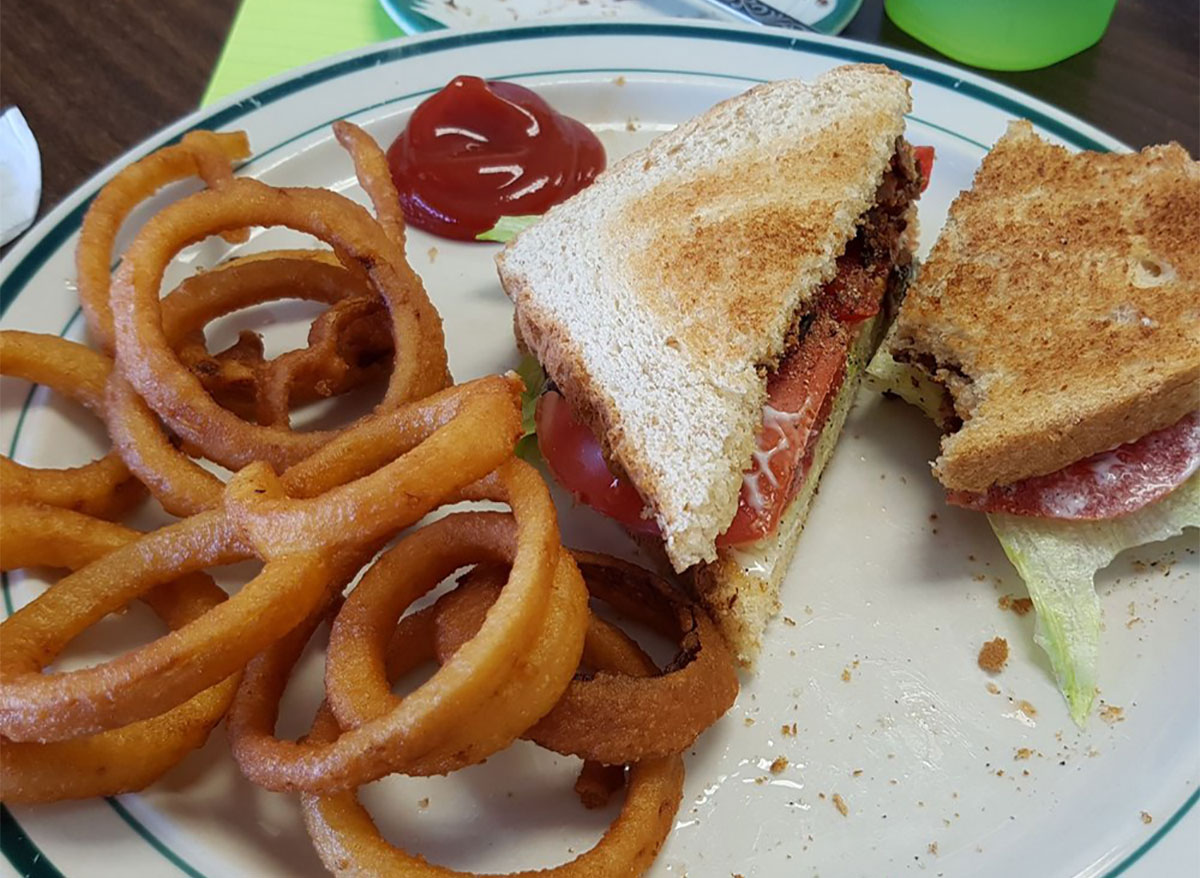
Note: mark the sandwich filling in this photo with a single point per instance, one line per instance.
(1105, 485)
(871, 277)
(1102, 486)
(802, 385)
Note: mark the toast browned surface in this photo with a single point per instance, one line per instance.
(1060, 307)
(654, 297)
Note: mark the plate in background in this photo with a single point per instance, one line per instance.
(421, 16)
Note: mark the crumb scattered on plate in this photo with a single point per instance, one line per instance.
(840, 804)
(1020, 606)
(1110, 713)
(1146, 818)
(993, 655)
(780, 763)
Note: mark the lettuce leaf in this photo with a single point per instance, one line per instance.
(1059, 560)
(531, 372)
(914, 386)
(507, 227)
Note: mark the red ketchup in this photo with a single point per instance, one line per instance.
(477, 151)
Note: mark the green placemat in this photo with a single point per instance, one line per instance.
(271, 36)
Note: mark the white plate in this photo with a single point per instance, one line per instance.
(889, 585)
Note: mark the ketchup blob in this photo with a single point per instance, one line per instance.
(478, 150)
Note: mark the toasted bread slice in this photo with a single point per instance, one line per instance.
(1060, 307)
(655, 296)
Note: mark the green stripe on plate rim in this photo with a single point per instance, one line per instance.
(26, 857)
(15, 843)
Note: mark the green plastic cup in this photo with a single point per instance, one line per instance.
(1004, 34)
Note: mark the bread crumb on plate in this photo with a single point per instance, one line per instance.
(994, 655)
(1020, 606)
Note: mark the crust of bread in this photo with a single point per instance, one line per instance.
(654, 296)
(741, 589)
(1061, 305)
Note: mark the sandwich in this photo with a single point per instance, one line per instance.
(1054, 332)
(703, 313)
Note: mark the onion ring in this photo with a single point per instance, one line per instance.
(341, 354)
(103, 488)
(162, 674)
(357, 679)
(325, 365)
(123, 759)
(613, 718)
(129, 188)
(345, 350)
(148, 363)
(531, 687)
(375, 177)
(230, 376)
(489, 409)
(418, 724)
(391, 470)
(348, 842)
(181, 485)
(610, 718)
(155, 677)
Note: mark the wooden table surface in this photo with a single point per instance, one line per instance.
(92, 89)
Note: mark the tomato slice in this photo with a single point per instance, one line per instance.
(577, 461)
(924, 156)
(797, 404)
(798, 397)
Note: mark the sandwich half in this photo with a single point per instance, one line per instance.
(704, 311)
(1054, 331)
